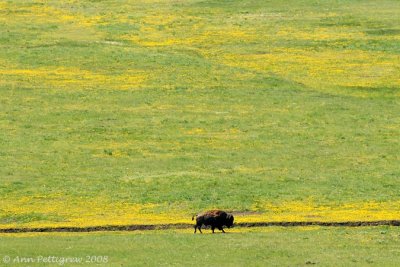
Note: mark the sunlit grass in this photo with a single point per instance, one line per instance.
(267, 246)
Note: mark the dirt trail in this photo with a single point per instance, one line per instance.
(136, 227)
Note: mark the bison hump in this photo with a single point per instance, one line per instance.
(215, 213)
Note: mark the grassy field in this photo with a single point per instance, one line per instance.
(259, 247)
(121, 112)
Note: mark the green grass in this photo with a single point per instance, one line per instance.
(370, 246)
(180, 106)
(199, 132)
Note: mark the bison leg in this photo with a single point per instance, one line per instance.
(198, 226)
(221, 229)
(213, 228)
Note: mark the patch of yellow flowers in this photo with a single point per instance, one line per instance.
(320, 69)
(326, 68)
(310, 211)
(70, 78)
(102, 211)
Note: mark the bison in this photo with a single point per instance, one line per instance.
(214, 218)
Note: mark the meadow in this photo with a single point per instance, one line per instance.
(241, 247)
(149, 111)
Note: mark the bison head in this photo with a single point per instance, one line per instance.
(229, 220)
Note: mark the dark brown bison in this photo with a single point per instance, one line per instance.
(214, 218)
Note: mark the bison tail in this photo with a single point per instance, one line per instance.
(194, 216)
